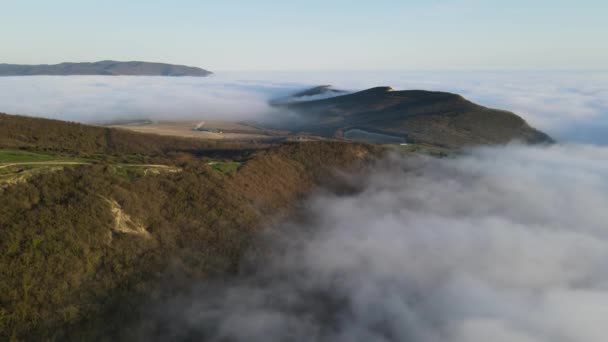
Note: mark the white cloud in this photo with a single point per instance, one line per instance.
(570, 106)
(502, 244)
(100, 98)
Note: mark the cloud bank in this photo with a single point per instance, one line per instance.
(570, 106)
(95, 99)
(502, 244)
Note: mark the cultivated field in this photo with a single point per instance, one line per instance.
(213, 130)
(18, 166)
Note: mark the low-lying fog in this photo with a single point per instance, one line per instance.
(502, 244)
(571, 106)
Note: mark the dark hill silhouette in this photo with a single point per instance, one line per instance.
(437, 118)
(108, 68)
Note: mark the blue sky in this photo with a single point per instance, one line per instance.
(311, 35)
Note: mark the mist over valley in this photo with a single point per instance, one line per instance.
(395, 171)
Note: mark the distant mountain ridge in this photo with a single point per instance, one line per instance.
(432, 117)
(107, 68)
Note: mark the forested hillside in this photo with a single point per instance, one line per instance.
(57, 136)
(86, 247)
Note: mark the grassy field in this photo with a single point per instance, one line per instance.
(132, 171)
(18, 166)
(218, 130)
(17, 156)
(225, 167)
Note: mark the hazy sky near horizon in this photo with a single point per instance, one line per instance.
(311, 35)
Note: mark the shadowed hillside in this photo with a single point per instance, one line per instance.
(436, 118)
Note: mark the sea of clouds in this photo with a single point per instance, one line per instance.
(570, 106)
(499, 244)
(505, 244)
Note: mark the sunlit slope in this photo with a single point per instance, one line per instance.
(89, 239)
(104, 68)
